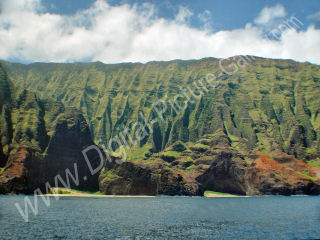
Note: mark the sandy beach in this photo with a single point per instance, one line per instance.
(209, 195)
(63, 192)
(95, 195)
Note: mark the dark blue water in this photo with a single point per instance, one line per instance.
(165, 218)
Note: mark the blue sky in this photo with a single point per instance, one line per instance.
(225, 14)
(114, 31)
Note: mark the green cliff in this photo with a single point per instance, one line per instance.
(267, 106)
(39, 140)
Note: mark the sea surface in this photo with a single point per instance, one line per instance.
(164, 218)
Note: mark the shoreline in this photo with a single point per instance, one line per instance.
(94, 195)
(132, 196)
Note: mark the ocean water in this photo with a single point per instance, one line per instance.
(164, 218)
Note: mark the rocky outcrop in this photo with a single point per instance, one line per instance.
(71, 135)
(283, 174)
(127, 179)
(62, 161)
(131, 178)
(211, 164)
(226, 174)
(15, 177)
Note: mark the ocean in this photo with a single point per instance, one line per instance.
(273, 217)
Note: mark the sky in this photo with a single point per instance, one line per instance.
(113, 31)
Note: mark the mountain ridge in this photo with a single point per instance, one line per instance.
(263, 105)
(115, 102)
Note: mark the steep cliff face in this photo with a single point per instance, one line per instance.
(262, 104)
(71, 135)
(214, 143)
(39, 140)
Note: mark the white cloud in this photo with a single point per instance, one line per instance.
(268, 14)
(183, 15)
(113, 34)
(205, 18)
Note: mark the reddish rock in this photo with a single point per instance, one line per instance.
(282, 174)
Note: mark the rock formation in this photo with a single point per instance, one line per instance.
(40, 140)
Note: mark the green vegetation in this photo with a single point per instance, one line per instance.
(280, 176)
(178, 146)
(266, 106)
(170, 156)
(186, 159)
(73, 191)
(1, 170)
(206, 141)
(200, 147)
(108, 175)
(213, 192)
(137, 153)
(61, 191)
(314, 163)
(90, 192)
(306, 174)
